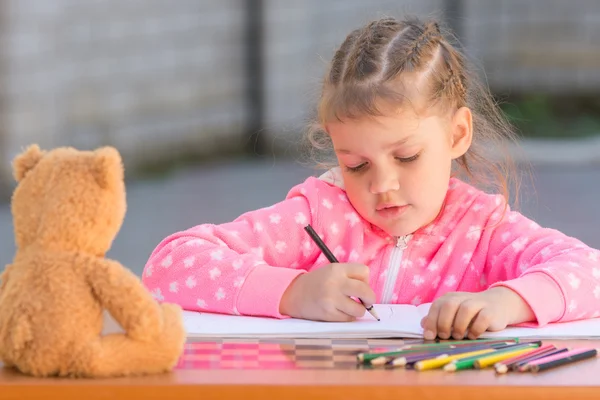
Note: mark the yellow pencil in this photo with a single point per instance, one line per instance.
(492, 359)
(440, 361)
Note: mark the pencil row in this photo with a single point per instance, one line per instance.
(501, 355)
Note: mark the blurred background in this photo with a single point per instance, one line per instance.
(206, 100)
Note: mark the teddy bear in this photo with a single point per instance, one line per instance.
(67, 207)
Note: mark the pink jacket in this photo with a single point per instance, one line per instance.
(244, 266)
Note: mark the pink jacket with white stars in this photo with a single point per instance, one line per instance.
(244, 266)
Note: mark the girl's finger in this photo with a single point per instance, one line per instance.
(465, 315)
(446, 317)
(481, 323)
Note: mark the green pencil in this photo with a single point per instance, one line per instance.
(469, 362)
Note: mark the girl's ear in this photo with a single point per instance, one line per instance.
(462, 131)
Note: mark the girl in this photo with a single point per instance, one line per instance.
(404, 118)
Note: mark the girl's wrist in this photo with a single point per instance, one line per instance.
(519, 309)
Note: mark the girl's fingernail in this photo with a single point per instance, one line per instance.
(429, 335)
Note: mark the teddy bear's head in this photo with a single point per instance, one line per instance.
(67, 199)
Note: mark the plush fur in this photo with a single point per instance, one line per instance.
(67, 209)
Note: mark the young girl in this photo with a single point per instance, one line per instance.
(404, 118)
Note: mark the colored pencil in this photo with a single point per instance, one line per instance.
(504, 366)
(469, 362)
(500, 355)
(332, 259)
(557, 360)
(523, 366)
(413, 358)
(439, 362)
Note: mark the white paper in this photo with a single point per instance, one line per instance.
(402, 321)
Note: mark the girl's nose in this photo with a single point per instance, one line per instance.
(383, 183)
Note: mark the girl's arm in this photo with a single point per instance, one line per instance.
(557, 275)
(240, 267)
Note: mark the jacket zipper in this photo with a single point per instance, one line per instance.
(394, 268)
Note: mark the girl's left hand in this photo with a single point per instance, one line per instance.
(461, 314)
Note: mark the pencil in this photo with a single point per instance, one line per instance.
(332, 259)
(545, 363)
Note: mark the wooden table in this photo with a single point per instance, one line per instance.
(577, 381)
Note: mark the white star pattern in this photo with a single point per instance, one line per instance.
(237, 264)
(519, 244)
(275, 219)
(395, 298)
(306, 248)
(214, 273)
(167, 261)
(149, 269)
(334, 229)
(280, 246)
(450, 281)
(477, 207)
(339, 252)
(239, 281)
(343, 198)
(512, 218)
(574, 281)
(597, 292)
(596, 273)
(258, 227)
(572, 306)
(353, 256)
(505, 236)
(259, 251)
(593, 256)
(418, 280)
(301, 219)
(216, 255)
(234, 233)
(467, 257)
(433, 266)
(195, 242)
(190, 282)
(406, 263)
(422, 262)
(201, 303)
(545, 252)
(416, 301)
(474, 233)
(189, 261)
(352, 218)
(220, 294)
(157, 294)
(205, 229)
(173, 287)
(327, 204)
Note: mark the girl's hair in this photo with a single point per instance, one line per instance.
(392, 63)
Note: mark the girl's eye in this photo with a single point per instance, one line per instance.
(357, 168)
(408, 159)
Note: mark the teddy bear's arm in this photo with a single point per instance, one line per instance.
(125, 298)
(4, 276)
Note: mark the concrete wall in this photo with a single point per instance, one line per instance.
(157, 78)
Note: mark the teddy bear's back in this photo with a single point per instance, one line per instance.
(56, 312)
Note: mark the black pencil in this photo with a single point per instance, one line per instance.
(332, 259)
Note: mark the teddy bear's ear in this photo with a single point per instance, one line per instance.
(108, 167)
(26, 161)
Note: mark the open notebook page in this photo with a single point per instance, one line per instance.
(396, 321)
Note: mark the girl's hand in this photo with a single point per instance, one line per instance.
(463, 314)
(324, 294)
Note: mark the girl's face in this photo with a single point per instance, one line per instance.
(396, 169)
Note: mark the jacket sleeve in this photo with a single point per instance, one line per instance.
(557, 275)
(240, 267)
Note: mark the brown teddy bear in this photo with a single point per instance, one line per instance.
(67, 208)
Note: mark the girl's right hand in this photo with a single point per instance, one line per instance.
(325, 293)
